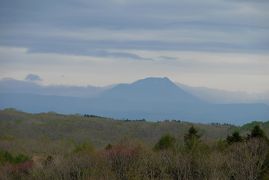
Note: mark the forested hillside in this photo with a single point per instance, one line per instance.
(20, 126)
(55, 146)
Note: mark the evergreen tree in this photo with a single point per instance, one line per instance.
(234, 138)
(257, 132)
(191, 138)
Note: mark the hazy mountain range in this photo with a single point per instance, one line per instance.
(150, 98)
(223, 96)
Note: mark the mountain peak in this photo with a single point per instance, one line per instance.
(151, 89)
(154, 81)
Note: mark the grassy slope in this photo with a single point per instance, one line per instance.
(54, 133)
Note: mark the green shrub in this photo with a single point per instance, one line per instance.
(84, 148)
(6, 157)
(109, 146)
(165, 142)
(234, 138)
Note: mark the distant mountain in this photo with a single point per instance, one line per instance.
(9, 85)
(150, 98)
(223, 96)
(210, 95)
(150, 90)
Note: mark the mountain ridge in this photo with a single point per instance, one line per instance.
(210, 95)
(151, 98)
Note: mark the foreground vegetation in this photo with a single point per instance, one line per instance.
(53, 146)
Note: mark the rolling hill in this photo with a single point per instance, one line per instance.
(26, 127)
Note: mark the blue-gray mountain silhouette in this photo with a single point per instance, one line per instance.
(150, 98)
(150, 90)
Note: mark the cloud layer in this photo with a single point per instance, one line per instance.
(175, 38)
(83, 27)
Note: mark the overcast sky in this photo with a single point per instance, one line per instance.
(214, 43)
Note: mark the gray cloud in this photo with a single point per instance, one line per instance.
(205, 25)
(86, 52)
(167, 58)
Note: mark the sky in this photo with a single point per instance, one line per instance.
(220, 44)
